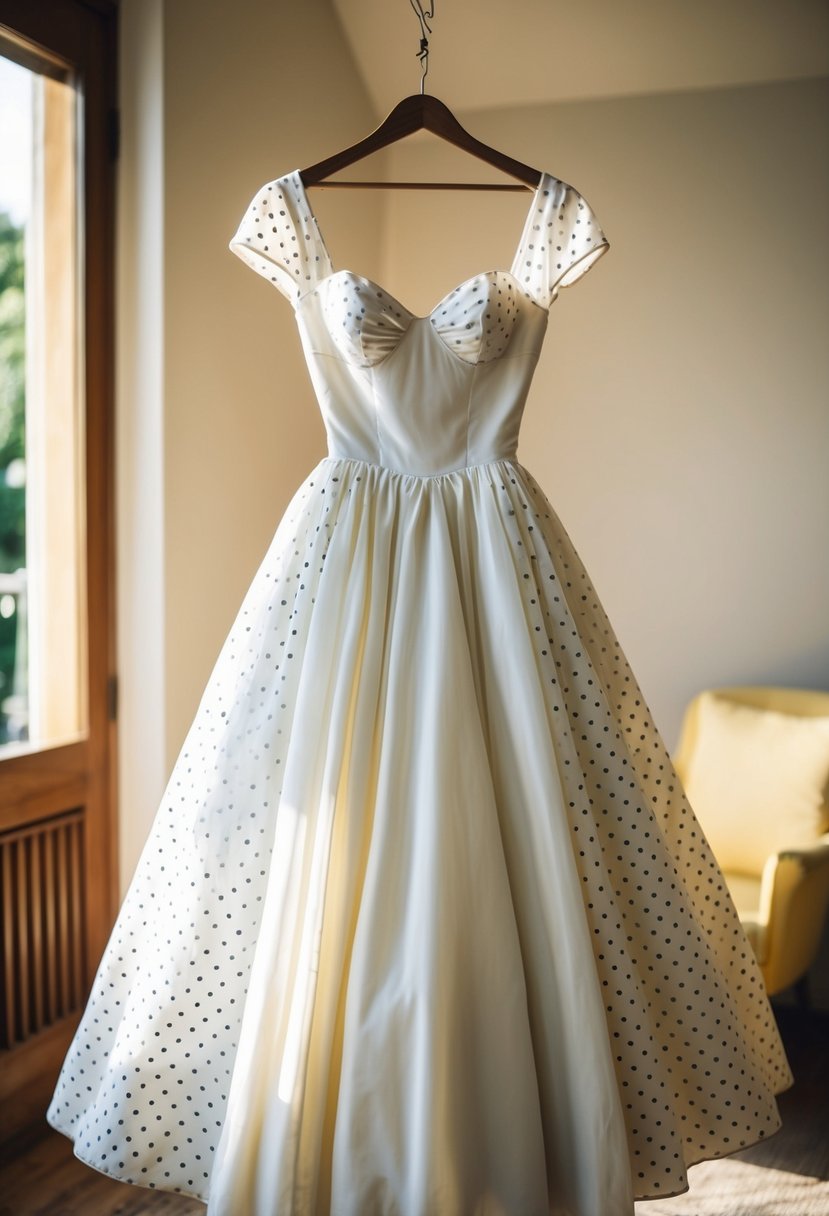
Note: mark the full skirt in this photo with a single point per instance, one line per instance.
(425, 925)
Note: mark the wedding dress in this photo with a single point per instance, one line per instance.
(425, 925)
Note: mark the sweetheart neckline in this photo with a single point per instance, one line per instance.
(413, 316)
(295, 176)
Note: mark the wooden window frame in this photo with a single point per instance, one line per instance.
(75, 782)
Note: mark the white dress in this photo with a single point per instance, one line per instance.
(424, 925)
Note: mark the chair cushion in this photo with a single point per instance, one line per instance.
(758, 781)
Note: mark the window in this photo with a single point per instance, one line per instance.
(42, 577)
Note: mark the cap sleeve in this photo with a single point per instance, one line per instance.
(562, 241)
(278, 237)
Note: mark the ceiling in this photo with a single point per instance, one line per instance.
(494, 53)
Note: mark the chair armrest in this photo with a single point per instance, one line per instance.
(810, 858)
(794, 897)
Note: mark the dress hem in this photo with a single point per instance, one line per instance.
(637, 1197)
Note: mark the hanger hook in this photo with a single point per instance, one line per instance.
(424, 16)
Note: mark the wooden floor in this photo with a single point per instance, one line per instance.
(48, 1180)
(787, 1175)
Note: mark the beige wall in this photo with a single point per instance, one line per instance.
(533, 52)
(217, 424)
(139, 451)
(679, 420)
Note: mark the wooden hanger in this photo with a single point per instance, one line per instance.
(421, 111)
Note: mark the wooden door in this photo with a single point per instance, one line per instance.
(58, 873)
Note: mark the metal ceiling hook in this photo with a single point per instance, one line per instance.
(424, 16)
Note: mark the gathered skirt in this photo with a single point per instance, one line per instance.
(425, 925)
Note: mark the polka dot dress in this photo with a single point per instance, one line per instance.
(424, 925)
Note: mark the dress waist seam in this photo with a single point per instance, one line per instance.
(464, 468)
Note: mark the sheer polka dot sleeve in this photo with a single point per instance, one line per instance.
(279, 238)
(561, 241)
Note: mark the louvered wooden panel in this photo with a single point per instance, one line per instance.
(43, 939)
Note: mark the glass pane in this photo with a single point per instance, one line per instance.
(42, 580)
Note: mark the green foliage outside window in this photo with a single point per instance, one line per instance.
(12, 437)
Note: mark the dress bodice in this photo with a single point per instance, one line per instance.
(420, 394)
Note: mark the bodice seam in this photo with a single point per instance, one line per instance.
(378, 442)
(471, 388)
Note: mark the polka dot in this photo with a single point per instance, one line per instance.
(373, 566)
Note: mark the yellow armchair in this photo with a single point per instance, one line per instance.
(755, 766)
